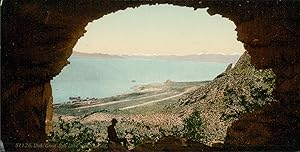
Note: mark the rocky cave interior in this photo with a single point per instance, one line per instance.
(38, 38)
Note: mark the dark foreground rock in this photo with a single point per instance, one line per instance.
(171, 143)
(270, 128)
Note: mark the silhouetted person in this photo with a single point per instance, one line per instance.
(112, 134)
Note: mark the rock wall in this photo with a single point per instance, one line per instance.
(23, 117)
(38, 37)
(272, 40)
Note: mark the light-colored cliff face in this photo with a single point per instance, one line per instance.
(38, 37)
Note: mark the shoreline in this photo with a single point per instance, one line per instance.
(144, 110)
(137, 90)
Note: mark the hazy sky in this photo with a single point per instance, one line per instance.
(160, 30)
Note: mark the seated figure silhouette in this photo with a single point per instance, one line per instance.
(112, 134)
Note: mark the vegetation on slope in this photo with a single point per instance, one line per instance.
(238, 90)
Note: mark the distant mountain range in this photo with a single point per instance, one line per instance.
(200, 57)
(98, 55)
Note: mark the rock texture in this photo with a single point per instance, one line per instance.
(25, 115)
(38, 37)
(170, 143)
(274, 127)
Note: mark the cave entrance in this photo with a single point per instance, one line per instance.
(164, 52)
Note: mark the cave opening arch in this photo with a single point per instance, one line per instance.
(31, 56)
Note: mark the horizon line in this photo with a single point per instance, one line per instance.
(206, 53)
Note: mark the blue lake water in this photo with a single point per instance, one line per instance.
(98, 77)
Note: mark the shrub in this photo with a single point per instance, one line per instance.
(74, 136)
(238, 101)
(193, 128)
